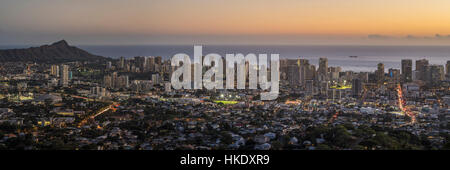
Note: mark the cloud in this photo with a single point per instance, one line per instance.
(439, 36)
(378, 36)
(436, 36)
(410, 37)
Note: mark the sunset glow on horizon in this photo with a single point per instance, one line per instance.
(129, 21)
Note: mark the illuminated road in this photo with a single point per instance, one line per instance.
(105, 109)
(401, 103)
(334, 117)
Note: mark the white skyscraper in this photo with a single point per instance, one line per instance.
(64, 76)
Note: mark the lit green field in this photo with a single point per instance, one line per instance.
(341, 87)
(226, 102)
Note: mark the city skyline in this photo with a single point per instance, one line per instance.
(60, 97)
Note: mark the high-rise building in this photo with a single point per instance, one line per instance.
(109, 65)
(153, 64)
(394, 75)
(64, 75)
(167, 70)
(415, 75)
(98, 91)
(116, 81)
(420, 68)
(420, 64)
(297, 71)
(290, 71)
(356, 87)
(155, 79)
(107, 81)
(407, 70)
(379, 74)
(323, 87)
(434, 74)
(123, 82)
(311, 72)
(150, 64)
(114, 78)
(139, 63)
(293, 74)
(54, 70)
(323, 69)
(347, 76)
(364, 77)
(122, 62)
(447, 68)
(168, 87)
(334, 72)
(283, 69)
(307, 71)
(158, 62)
(309, 87)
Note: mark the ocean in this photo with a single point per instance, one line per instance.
(367, 60)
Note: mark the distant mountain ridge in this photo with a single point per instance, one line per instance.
(59, 51)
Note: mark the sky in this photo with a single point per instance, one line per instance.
(139, 22)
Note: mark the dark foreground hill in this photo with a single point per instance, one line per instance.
(54, 53)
